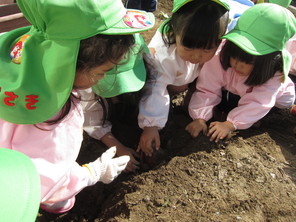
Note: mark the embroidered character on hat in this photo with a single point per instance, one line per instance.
(16, 52)
(136, 19)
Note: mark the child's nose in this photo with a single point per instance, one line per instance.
(196, 55)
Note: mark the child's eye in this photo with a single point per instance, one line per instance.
(210, 50)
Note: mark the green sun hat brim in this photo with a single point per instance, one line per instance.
(179, 3)
(38, 62)
(20, 187)
(253, 32)
(74, 19)
(128, 76)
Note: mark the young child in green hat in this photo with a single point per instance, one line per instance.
(114, 100)
(249, 73)
(70, 45)
(181, 46)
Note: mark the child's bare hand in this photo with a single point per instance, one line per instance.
(149, 140)
(152, 51)
(133, 164)
(220, 130)
(197, 126)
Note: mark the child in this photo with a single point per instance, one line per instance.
(252, 66)
(117, 102)
(70, 45)
(189, 39)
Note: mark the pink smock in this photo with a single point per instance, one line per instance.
(255, 102)
(54, 150)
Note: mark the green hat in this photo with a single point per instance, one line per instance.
(284, 3)
(179, 3)
(19, 187)
(128, 76)
(263, 29)
(38, 63)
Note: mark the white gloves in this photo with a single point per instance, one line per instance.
(106, 168)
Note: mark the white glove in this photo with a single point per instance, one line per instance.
(106, 168)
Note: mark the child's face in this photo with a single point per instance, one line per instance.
(194, 56)
(86, 79)
(241, 68)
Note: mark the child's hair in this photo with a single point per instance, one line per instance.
(100, 49)
(200, 24)
(265, 66)
(96, 51)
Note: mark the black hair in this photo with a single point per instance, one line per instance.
(99, 49)
(199, 23)
(93, 52)
(265, 66)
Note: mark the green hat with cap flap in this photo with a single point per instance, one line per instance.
(263, 29)
(19, 187)
(38, 62)
(284, 3)
(128, 76)
(179, 3)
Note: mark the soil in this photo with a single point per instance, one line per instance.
(249, 177)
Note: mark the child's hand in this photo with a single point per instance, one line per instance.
(149, 140)
(196, 126)
(152, 51)
(106, 168)
(220, 130)
(133, 164)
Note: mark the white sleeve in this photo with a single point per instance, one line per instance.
(94, 124)
(170, 70)
(155, 102)
(156, 40)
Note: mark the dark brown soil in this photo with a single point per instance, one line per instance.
(249, 178)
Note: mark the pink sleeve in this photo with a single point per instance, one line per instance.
(256, 104)
(54, 150)
(208, 90)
